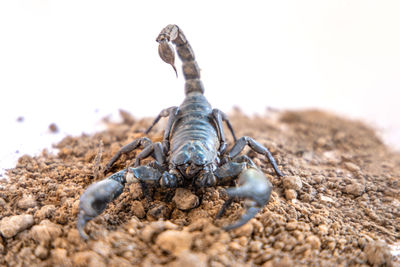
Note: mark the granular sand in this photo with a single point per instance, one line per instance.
(338, 205)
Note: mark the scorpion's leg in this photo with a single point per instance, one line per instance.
(257, 147)
(143, 141)
(171, 120)
(98, 195)
(220, 116)
(163, 114)
(157, 152)
(154, 150)
(171, 112)
(253, 186)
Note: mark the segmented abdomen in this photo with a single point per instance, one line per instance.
(194, 122)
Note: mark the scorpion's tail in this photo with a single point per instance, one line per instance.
(191, 70)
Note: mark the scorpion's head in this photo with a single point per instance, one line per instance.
(191, 158)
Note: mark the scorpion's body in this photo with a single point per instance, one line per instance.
(193, 150)
(193, 137)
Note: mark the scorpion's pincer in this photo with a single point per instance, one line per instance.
(253, 186)
(95, 200)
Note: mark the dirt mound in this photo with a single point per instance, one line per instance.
(339, 203)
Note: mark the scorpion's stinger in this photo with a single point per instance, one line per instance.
(190, 69)
(255, 188)
(167, 54)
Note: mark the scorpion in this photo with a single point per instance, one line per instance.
(193, 150)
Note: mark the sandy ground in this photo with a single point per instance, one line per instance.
(338, 205)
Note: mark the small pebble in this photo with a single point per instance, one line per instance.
(351, 166)
(73, 237)
(243, 241)
(41, 252)
(284, 262)
(158, 211)
(298, 235)
(45, 212)
(362, 241)
(313, 241)
(45, 232)
(326, 199)
(321, 141)
(174, 242)
(291, 225)
(102, 248)
(10, 226)
(279, 245)
(184, 199)
(53, 128)
(151, 230)
(355, 189)
(331, 245)
(187, 258)
(255, 246)
(292, 182)
(378, 254)
(2, 202)
(323, 229)
(319, 179)
(88, 258)
(26, 253)
(217, 248)
(290, 194)
(332, 157)
(138, 209)
(244, 230)
(59, 257)
(235, 246)
(26, 202)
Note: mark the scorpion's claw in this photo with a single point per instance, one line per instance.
(94, 201)
(167, 54)
(255, 187)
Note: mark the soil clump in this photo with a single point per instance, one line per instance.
(339, 203)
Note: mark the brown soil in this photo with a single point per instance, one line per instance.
(339, 203)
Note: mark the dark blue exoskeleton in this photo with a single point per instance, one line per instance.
(193, 150)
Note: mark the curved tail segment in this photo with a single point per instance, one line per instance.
(191, 70)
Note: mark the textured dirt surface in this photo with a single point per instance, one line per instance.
(338, 205)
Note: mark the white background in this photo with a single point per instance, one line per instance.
(74, 62)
